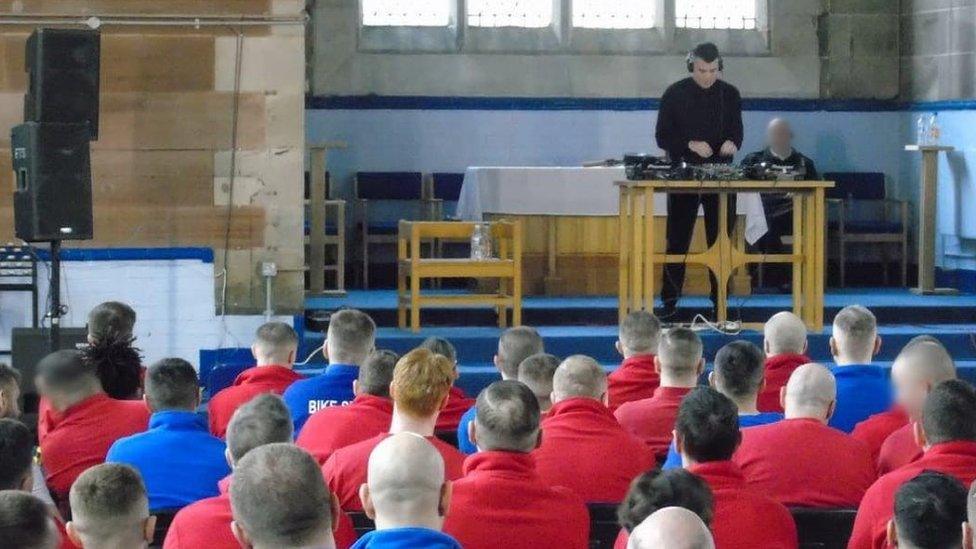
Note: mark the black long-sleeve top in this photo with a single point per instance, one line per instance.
(691, 113)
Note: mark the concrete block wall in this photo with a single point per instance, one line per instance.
(938, 49)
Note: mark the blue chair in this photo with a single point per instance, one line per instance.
(446, 187)
(866, 216)
(223, 376)
(406, 188)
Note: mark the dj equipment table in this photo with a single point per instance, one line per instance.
(638, 260)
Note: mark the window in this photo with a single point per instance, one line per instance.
(613, 14)
(531, 14)
(406, 13)
(715, 14)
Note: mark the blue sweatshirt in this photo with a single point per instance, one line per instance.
(751, 420)
(179, 460)
(862, 391)
(464, 443)
(407, 538)
(333, 387)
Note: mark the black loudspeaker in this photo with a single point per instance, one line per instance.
(52, 178)
(63, 77)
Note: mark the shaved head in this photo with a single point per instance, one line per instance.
(811, 392)
(785, 333)
(671, 527)
(405, 483)
(920, 366)
(854, 339)
(579, 376)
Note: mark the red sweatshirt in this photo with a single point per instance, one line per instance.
(450, 416)
(249, 384)
(652, 419)
(898, 450)
(339, 426)
(957, 459)
(874, 430)
(804, 463)
(744, 518)
(635, 379)
(345, 470)
(206, 523)
(502, 502)
(83, 434)
(585, 449)
(779, 368)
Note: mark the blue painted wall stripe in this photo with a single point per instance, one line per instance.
(205, 255)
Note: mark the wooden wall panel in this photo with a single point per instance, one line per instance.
(157, 63)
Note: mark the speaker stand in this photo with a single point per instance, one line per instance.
(54, 333)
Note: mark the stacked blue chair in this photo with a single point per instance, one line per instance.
(404, 188)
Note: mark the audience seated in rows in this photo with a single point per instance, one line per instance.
(637, 377)
(928, 511)
(788, 460)
(110, 509)
(350, 338)
(88, 420)
(707, 434)
(605, 458)
(274, 349)
(515, 345)
(679, 362)
(206, 523)
(369, 414)
(862, 387)
(922, 366)
(421, 382)
(737, 373)
(785, 345)
(536, 373)
(501, 501)
(656, 490)
(10, 409)
(26, 522)
(279, 500)
(457, 401)
(912, 378)
(674, 528)
(947, 431)
(407, 495)
(194, 459)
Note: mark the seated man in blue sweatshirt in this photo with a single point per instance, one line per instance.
(862, 387)
(348, 341)
(178, 458)
(407, 495)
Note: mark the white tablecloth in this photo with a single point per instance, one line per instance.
(568, 191)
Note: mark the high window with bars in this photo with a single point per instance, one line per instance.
(530, 14)
(614, 14)
(406, 13)
(715, 14)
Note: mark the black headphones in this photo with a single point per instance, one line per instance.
(693, 56)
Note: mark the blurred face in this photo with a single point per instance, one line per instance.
(705, 74)
(9, 397)
(780, 136)
(910, 392)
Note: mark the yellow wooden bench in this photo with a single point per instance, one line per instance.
(506, 267)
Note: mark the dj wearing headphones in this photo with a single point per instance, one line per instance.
(699, 122)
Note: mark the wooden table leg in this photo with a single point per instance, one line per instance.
(723, 271)
(798, 250)
(820, 224)
(625, 255)
(648, 251)
(809, 259)
(639, 251)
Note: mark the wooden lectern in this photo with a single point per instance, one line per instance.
(637, 260)
(926, 218)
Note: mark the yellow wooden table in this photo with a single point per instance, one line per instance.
(637, 259)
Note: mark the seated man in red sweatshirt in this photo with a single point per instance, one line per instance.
(501, 501)
(928, 511)
(583, 447)
(90, 422)
(785, 345)
(206, 523)
(536, 373)
(274, 349)
(369, 414)
(658, 489)
(672, 527)
(916, 371)
(637, 377)
(947, 431)
(707, 434)
(421, 382)
(109, 508)
(786, 460)
(679, 362)
(874, 430)
(457, 402)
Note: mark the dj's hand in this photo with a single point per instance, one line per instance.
(701, 148)
(728, 149)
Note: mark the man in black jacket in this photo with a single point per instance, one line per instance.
(699, 122)
(779, 151)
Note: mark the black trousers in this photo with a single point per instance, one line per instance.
(682, 215)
